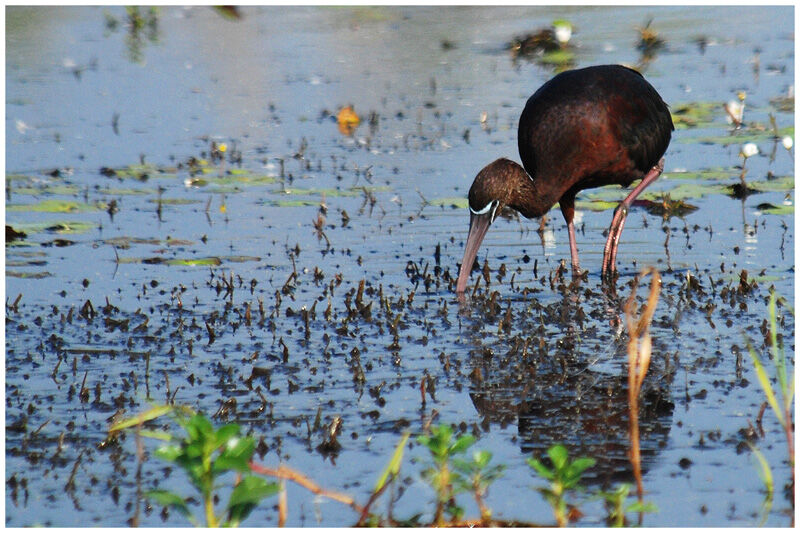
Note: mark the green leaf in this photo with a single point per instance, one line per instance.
(771, 209)
(482, 458)
(60, 227)
(541, 469)
(56, 206)
(160, 435)
(558, 454)
(778, 358)
(170, 500)
(394, 463)
(642, 507)
(247, 495)
(460, 202)
(199, 428)
(236, 456)
(225, 433)
(202, 261)
(168, 453)
(462, 443)
(595, 205)
(150, 414)
(763, 379)
(557, 57)
(580, 464)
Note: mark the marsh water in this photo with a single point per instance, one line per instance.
(306, 273)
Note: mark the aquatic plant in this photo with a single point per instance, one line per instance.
(564, 478)
(639, 351)
(765, 473)
(477, 476)
(783, 407)
(205, 454)
(440, 474)
(617, 510)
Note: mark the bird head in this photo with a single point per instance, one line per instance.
(489, 194)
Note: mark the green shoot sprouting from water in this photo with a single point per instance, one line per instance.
(441, 475)
(783, 407)
(205, 455)
(616, 508)
(563, 478)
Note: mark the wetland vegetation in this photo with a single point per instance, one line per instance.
(237, 233)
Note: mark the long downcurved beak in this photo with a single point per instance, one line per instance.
(478, 226)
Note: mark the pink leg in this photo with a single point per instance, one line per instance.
(618, 221)
(568, 210)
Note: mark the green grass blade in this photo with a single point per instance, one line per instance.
(765, 472)
(394, 463)
(777, 353)
(150, 414)
(169, 499)
(764, 380)
(159, 435)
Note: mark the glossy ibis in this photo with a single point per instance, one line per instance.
(584, 128)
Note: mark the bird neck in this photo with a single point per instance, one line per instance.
(531, 198)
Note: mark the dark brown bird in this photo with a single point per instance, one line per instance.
(584, 128)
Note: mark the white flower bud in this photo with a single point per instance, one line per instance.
(563, 33)
(749, 150)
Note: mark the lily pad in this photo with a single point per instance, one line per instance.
(66, 190)
(203, 261)
(740, 136)
(594, 205)
(694, 114)
(557, 57)
(57, 206)
(780, 184)
(241, 258)
(704, 174)
(456, 202)
(352, 191)
(27, 275)
(125, 242)
(61, 227)
(140, 172)
(124, 192)
(685, 191)
(770, 209)
(666, 207)
(174, 201)
(293, 203)
(212, 261)
(199, 261)
(24, 263)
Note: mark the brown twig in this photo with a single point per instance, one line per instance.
(374, 496)
(284, 472)
(283, 505)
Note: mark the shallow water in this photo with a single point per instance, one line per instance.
(82, 96)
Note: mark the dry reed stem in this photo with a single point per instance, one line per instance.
(639, 351)
(283, 505)
(284, 472)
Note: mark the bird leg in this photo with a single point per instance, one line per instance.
(618, 221)
(568, 210)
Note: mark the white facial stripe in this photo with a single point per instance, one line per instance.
(493, 205)
(485, 209)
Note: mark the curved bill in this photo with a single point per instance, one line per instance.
(478, 226)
